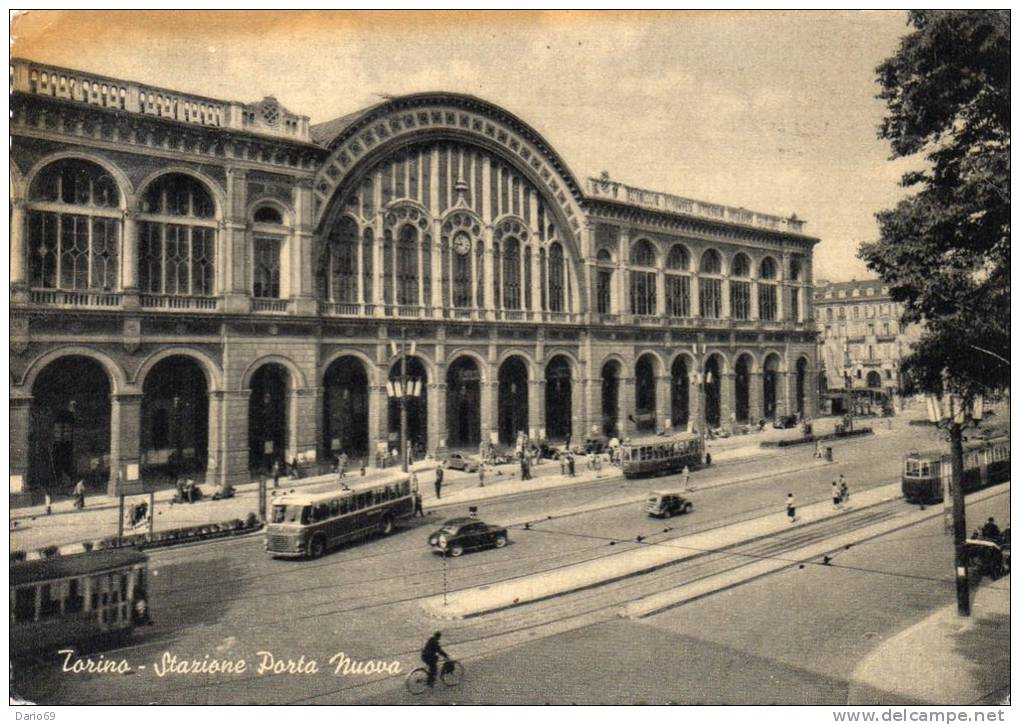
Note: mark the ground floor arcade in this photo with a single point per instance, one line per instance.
(224, 412)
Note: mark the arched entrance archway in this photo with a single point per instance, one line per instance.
(70, 425)
(558, 399)
(742, 388)
(874, 378)
(769, 381)
(611, 398)
(345, 408)
(680, 404)
(513, 399)
(417, 408)
(267, 416)
(802, 385)
(175, 418)
(463, 403)
(713, 390)
(644, 393)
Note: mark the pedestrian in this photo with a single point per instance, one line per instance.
(49, 503)
(842, 482)
(417, 504)
(791, 508)
(687, 478)
(79, 494)
(563, 464)
(837, 496)
(481, 475)
(844, 492)
(708, 459)
(570, 464)
(439, 480)
(818, 449)
(276, 474)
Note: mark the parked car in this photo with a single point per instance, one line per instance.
(785, 421)
(460, 462)
(595, 444)
(664, 504)
(459, 535)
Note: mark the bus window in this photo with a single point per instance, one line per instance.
(388, 493)
(364, 500)
(321, 512)
(24, 604)
(334, 507)
(344, 506)
(405, 488)
(290, 514)
(75, 601)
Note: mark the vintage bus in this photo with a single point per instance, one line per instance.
(657, 456)
(309, 524)
(925, 475)
(77, 598)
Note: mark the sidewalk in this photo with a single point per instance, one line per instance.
(944, 659)
(31, 528)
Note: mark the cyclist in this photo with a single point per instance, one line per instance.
(430, 656)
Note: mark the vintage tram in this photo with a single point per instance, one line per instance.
(658, 456)
(74, 599)
(985, 462)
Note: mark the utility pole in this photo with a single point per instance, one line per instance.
(959, 519)
(403, 400)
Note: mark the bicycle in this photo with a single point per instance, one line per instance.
(450, 673)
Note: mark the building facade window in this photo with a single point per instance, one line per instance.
(407, 266)
(74, 227)
(795, 304)
(511, 274)
(177, 238)
(340, 268)
(556, 270)
(740, 288)
(463, 286)
(643, 281)
(266, 268)
(603, 291)
(710, 288)
(678, 282)
(767, 293)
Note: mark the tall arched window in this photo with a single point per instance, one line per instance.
(367, 249)
(678, 282)
(342, 269)
(740, 288)
(73, 227)
(642, 281)
(710, 285)
(268, 244)
(177, 238)
(407, 266)
(767, 303)
(555, 277)
(795, 272)
(526, 263)
(462, 259)
(511, 274)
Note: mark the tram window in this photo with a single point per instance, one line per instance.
(24, 604)
(49, 605)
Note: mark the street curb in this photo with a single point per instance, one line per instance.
(984, 495)
(636, 573)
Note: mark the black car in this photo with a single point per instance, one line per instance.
(458, 535)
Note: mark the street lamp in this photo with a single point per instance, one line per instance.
(953, 413)
(401, 390)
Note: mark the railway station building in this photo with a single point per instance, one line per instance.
(205, 286)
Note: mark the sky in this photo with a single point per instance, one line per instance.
(771, 111)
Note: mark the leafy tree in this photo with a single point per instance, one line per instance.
(944, 251)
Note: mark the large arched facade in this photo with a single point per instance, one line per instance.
(513, 399)
(558, 399)
(345, 408)
(463, 403)
(175, 418)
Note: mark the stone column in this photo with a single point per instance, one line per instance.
(378, 422)
(487, 416)
(787, 393)
(487, 267)
(536, 280)
(755, 397)
(727, 399)
(214, 464)
(437, 432)
(663, 403)
(695, 295)
(696, 402)
(579, 426)
(128, 261)
(536, 407)
(237, 298)
(754, 300)
(302, 276)
(125, 439)
(622, 276)
(436, 263)
(20, 413)
(305, 417)
(725, 311)
(626, 394)
(19, 256)
(232, 445)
